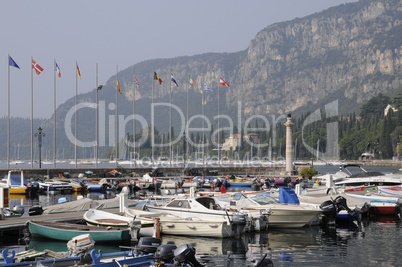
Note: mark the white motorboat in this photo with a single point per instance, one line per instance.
(364, 177)
(204, 208)
(107, 219)
(192, 226)
(281, 215)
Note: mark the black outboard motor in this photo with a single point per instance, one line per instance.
(35, 210)
(266, 262)
(238, 223)
(270, 182)
(148, 244)
(256, 186)
(399, 208)
(165, 253)
(185, 254)
(329, 211)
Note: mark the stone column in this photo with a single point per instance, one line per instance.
(289, 146)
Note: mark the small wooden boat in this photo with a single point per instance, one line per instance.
(67, 231)
(107, 219)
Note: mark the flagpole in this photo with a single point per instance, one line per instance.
(203, 132)
(76, 102)
(54, 115)
(170, 123)
(31, 113)
(188, 88)
(152, 130)
(219, 103)
(8, 121)
(116, 122)
(134, 117)
(97, 117)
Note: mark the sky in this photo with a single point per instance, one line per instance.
(120, 33)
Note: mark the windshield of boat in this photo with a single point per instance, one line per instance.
(179, 203)
(263, 199)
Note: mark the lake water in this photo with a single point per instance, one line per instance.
(375, 243)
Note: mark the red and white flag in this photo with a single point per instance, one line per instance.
(223, 83)
(38, 69)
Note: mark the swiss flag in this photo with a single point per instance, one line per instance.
(38, 69)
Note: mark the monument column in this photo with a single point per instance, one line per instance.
(289, 146)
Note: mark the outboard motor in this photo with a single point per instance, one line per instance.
(256, 186)
(35, 210)
(270, 182)
(148, 244)
(329, 211)
(263, 262)
(17, 210)
(165, 253)
(399, 208)
(238, 222)
(185, 254)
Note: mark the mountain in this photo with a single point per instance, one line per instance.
(348, 53)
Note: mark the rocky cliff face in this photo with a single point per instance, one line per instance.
(350, 52)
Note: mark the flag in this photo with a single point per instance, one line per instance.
(12, 63)
(223, 83)
(156, 77)
(223, 189)
(78, 72)
(173, 80)
(207, 88)
(58, 70)
(190, 80)
(118, 85)
(136, 82)
(38, 69)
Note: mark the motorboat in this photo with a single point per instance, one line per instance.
(51, 186)
(173, 225)
(367, 178)
(281, 215)
(17, 183)
(204, 208)
(108, 219)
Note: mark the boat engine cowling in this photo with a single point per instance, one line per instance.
(18, 210)
(35, 210)
(148, 244)
(185, 254)
(239, 221)
(165, 253)
(329, 211)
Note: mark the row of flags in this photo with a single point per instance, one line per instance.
(38, 69)
(222, 82)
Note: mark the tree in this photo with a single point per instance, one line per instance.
(308, 172)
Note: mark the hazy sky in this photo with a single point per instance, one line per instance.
(123, 33)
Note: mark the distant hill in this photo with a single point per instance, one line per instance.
(349, 53)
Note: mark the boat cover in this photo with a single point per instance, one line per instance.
(15, 179)
(287, 195)
(83, 204)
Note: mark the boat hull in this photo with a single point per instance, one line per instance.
(65, 232)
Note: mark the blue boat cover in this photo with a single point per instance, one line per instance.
(287, 195)
(15, 179)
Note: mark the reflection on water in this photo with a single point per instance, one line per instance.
(373, 243)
